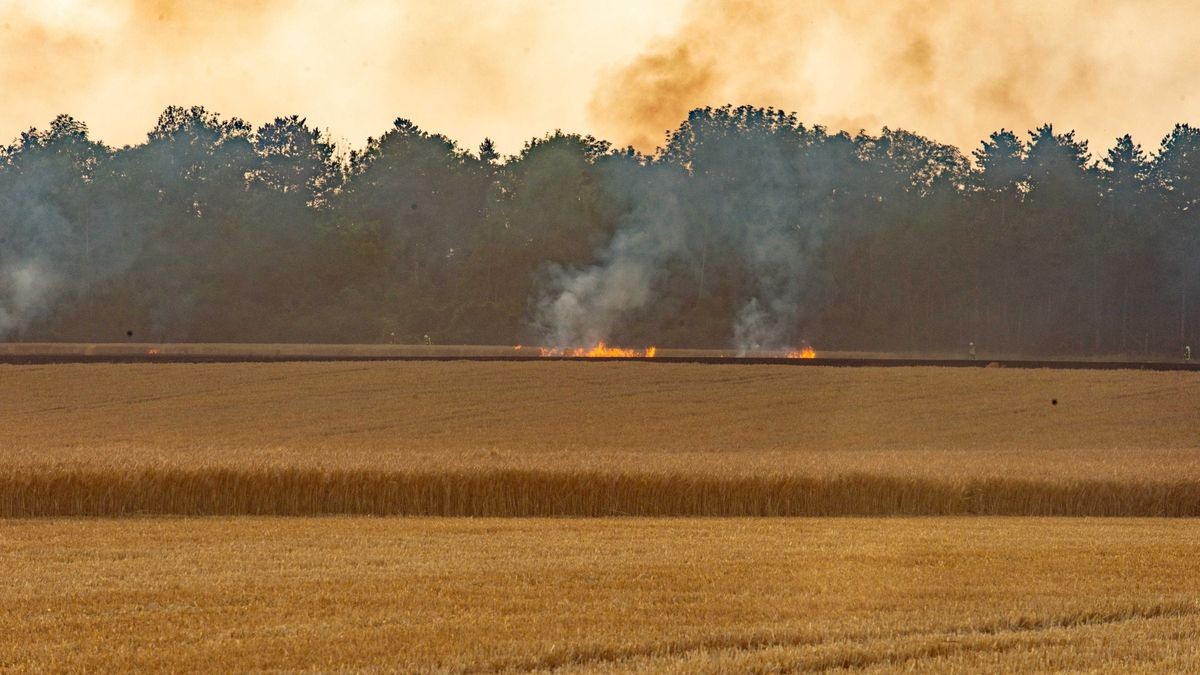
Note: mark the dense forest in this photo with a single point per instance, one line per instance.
(746, 228)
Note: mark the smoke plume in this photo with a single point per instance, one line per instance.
(25, 288)
(756, 193)
(507, 70)
(33, 232)
(955, 70)
(623, 71)
(583, 307)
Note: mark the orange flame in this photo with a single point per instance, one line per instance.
(805, 352)
(600, 350)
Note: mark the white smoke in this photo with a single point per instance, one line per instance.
(774, 249)
(583, 307)
(25, 288)
(757, 200)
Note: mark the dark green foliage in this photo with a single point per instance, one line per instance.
(211, 230)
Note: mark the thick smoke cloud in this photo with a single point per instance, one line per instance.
(623, 71)
(954, 70)
(509, 70)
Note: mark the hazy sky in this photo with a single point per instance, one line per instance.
(513, 69)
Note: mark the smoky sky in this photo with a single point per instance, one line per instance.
(948, 69)
(626, 71)
(511, 69)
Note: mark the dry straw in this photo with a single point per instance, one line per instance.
(596, 439)
(84, 491)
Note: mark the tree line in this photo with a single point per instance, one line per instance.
(213, 230)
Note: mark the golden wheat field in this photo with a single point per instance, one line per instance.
(594, 439)
(235, 587)
(640, 595)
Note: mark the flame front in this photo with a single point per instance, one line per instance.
(600, 350)
(805, 352)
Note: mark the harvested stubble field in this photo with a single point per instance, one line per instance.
(648, 595)
(594, 439)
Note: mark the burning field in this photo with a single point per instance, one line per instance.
(234, 352)
(599, 350)
(602, 350)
